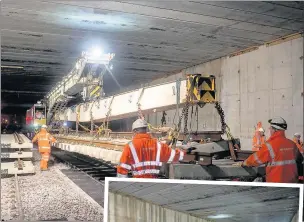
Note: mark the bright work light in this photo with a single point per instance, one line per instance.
(96, 52)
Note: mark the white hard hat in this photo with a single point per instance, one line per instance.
(261, 130)
(278, 123)
(139, 123)
(297, 135)
(43, 126)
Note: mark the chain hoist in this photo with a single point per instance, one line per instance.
(224, 127)
(175, 133)
(77, 117)
(163, 119)
(92, 119)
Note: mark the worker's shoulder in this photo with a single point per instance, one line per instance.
(283, 141)
(291, 142)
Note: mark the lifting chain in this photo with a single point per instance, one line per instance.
(175, 133)
(77, 117)
(140, 114)
(163, 119)
(224, 126)
(139, 111)
(222, 116)
(184, 114)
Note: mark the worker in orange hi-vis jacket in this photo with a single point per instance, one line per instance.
(258, 138)
(279, 154)
(298, 142)
(44, 144)
(144, 155)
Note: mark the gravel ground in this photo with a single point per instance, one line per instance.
(49, 195)
(8, 199)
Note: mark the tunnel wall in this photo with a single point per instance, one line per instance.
(251, 87)
(129, 209)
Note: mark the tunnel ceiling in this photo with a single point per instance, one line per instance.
(223, 203)
(41, 40)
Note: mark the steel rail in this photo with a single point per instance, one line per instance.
(18, 199)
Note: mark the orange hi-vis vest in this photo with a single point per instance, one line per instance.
(144, 157)
(44, 139)
(280, 156)
(299, 144)
(257, 141)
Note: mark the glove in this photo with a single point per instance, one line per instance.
(189, 150)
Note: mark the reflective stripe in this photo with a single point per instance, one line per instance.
(172, 156)
(181, 156)
(282, 163)
(133, 151)
(147, 163)
(44, 147)
(257, 158)
(122, 175)
(158, 152)
(277, 163)
(126, 166)
(45, 157)
(39, 139)
(269, 147)
(142, 172)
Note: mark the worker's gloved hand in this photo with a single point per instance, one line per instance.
(190, 149)
(238, 163)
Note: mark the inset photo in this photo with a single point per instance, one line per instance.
(146, 200)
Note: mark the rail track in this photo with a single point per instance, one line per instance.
(95, 168)
(86, 172)
(11, 205)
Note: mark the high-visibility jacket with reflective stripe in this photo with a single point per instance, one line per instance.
(299, 144)
(280, 156)
(257, 141)
(144, 156)
(44, 139)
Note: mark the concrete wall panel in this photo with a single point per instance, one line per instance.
(130, 209)
(253, 87)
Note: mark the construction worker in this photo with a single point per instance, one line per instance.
(280, 155)
(258, 138)
(298, 142)
(44, 145)
(144, 155)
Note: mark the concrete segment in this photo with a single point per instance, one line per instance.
(134, 200)
(108, 155)
(252, 87)
(129, 209)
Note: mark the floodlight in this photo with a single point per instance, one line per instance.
(96, 52)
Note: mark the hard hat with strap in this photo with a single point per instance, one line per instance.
(278, 123)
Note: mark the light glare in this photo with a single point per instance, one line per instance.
(96, 52)
(220, 216)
